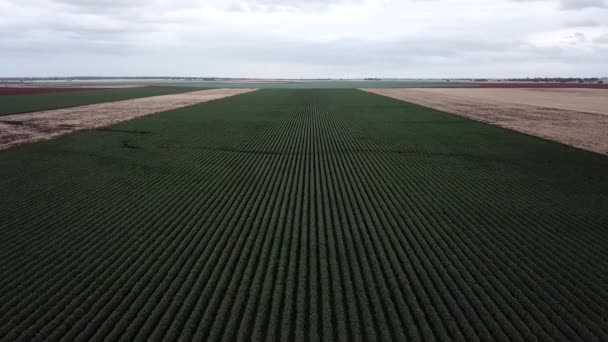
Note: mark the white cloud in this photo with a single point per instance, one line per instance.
(286, 38)
(572, 4)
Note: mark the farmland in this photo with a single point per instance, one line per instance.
(18, 129)
(582, 100)
(576, 117)
(9, 91)
(70, 97)
(303, 215)
(542, 85)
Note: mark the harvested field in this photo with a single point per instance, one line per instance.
(579, 100)
(303, 215)
(541, 85)
(26, 128)
(576, 117)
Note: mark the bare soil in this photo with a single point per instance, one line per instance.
(20, 129)
(576, 117)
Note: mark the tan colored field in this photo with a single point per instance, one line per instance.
(577, 117)
(19, 129)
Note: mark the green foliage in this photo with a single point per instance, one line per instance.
(30, 103)
(303, 215)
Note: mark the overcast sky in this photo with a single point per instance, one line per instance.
(304, 39)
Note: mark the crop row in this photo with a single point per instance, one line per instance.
(303, 215)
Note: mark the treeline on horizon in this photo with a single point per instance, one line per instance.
(556, 79)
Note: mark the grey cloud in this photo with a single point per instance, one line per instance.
(392, 54)
(579, 36)
(581, 4)
(100, 6)
(582, 23)
(233, 5)
(573, 4)
(602, 39)
(284, 38)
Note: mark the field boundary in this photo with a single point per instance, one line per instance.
(579, 129)
(24, 128)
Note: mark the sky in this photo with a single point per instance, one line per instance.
(304, 39)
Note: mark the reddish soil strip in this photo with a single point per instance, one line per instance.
(20, 129)
(32, 89)
(574, 117)
(541, 85)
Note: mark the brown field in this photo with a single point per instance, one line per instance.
(540, 85)
(20, 129)
(576, 117)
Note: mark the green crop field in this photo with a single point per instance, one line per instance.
(30, 103)
(303, 215)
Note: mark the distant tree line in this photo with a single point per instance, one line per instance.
(558, 79)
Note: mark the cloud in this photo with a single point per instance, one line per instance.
(601, 39)
(285, 38)
(231, 5)
(581, 4)
(572, 4)
(579, 36)
(582, 23)
(286, 5)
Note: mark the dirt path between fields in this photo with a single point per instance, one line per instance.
(18, 129)
(576, 117)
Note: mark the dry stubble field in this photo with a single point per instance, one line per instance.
(576, 117)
